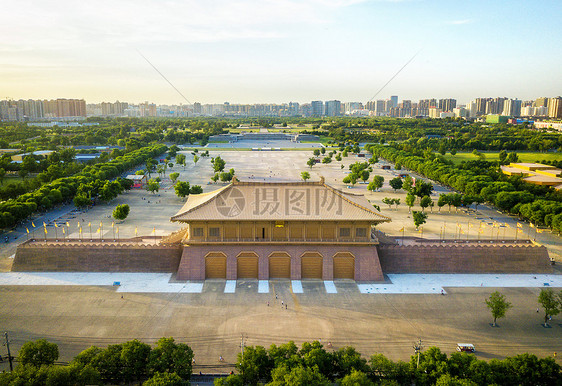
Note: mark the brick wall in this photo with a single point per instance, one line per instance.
(96, 257)
(451, 258)
(192, 265)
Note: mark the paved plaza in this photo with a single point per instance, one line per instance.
(76, 310)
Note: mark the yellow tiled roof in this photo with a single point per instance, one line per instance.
(270, 201)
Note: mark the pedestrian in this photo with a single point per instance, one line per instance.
(268, 304)
(555, 354)
(285, 306)
(276, 296)
(281, 303)
(537, 310)
(442, 293)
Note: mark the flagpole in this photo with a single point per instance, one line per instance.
(90, 225)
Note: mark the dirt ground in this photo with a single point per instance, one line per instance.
(213, 322)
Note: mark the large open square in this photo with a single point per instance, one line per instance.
(212, 316)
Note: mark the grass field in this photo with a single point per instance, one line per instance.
(494, 156)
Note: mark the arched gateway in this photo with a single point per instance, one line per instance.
(292, 230)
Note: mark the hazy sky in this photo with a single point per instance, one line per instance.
(266, 51)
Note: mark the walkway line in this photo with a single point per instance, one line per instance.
(330, 287)
(263, 286)
(297, 286)
(230, 287)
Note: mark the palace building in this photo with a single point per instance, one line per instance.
(263, 230)
(288, 230)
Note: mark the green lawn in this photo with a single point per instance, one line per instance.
(494, 156)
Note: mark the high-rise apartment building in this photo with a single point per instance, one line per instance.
(495, 105)
(541, 102)
(380, 108)
(350, 106)
(405, 108)
(294, 108)
(481, 106)
(555, 107)
(317, 108)
(333, 108)
(394, 100)
(447, 104)
(512, 108)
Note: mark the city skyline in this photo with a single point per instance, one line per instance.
(252, 51)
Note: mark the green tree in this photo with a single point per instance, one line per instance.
(443, 200)
(171, 357)
(182, 189)
(388, 201)
(498, 305)
(396, 183)
(316, 152)
(2, 175)
(218, 164)
(134, 358)
(356, 378)
(425, 202)
(299, 375)
(419, 218)
(455, 200)
(174, 176)
(165, 379)
(311, 162)
(433, 364)
(305, 176)
(364, 175)
(121, 212)
(38, 353)
(408, 184)
(23, 173)
(422, 188)
(551, 305)
(153, 186)
(376, 184)
(254, 364)
(326, 160)
(195, 159)
(410, 199)
(196, 189)
(180, 159)
(81, 201)
(502, 156)
(28, 163)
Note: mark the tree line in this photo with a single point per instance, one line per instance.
(132, 362)
(170, 363)
(483, 181)
(92, 181)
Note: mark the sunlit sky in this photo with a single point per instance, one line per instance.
(266, 51)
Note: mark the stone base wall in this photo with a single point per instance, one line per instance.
(451, 258)
(367, 265)
(97, 257)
